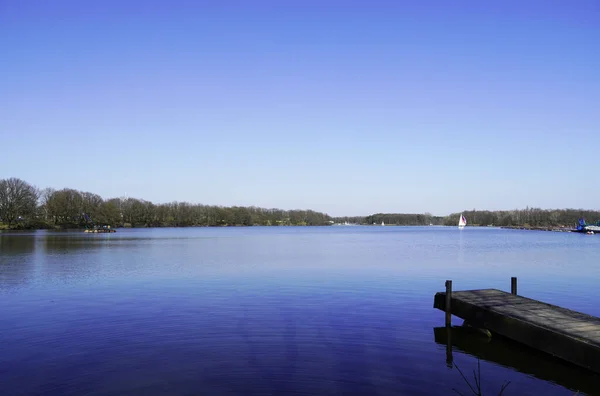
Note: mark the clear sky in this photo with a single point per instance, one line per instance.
(347, 107)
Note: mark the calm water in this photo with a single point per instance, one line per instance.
(336, 310)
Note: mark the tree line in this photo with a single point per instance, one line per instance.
(405, 219)
(22, 205)
(528, 217)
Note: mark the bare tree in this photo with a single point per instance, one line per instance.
(45, 197)
(18, 199)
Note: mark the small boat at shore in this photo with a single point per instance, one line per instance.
(99, 230)
(587, 229)
(95, 228)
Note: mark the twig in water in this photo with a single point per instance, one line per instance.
(477, 377)
(503, 388)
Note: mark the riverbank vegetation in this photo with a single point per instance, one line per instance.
(415, 219)
(23, 205)
(525, 218)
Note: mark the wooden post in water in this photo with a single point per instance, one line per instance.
(449, 357)
(448, 302)
(513, 285)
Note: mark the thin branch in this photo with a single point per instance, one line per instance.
(477, 386)
(465, 378)
(504, 388)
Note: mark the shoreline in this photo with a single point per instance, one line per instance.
(521, 227)
(539, 228)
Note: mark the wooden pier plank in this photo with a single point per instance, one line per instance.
(570, 335)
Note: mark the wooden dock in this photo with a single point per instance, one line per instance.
(568, 335)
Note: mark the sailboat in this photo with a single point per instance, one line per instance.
(382, 223)
(462, 222)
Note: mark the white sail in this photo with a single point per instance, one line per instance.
(462, 221)
(382, 223)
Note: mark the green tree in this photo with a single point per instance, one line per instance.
(109, 213)
(91, 204)
(65, 207)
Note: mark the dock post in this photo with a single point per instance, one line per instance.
(513, 285)
(448, 302)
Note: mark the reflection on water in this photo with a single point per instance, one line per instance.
(16, 267)
(70, 243)
(519, 357)
(15, 244)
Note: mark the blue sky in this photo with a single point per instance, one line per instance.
(347, 107)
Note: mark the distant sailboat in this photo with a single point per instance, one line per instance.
(382, 223)
(462, 222)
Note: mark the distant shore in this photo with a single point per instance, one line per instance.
(548, 228)
(3, 227)
(29, 207)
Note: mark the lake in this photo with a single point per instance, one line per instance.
(275, 310)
